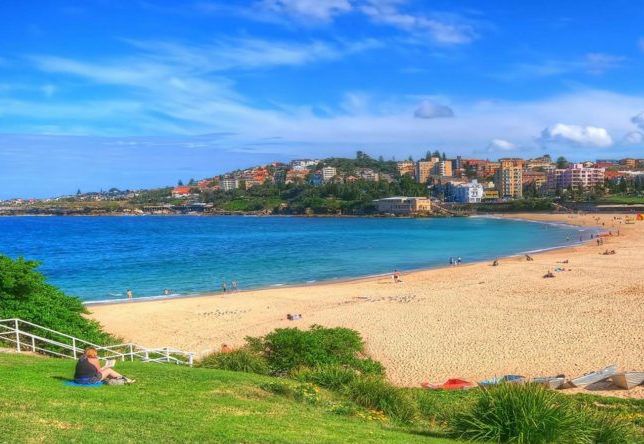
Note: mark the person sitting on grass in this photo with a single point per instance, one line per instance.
(89, 370)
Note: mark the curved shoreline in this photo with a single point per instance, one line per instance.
(351, 279)
(473, 321)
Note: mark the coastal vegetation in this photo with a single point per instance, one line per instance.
(315, 385)
(333, 359)
(25, 294)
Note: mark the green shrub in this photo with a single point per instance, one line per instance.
(527, 414)
(368, 366)
(439, 406)
(299, 392)
(25, 294)
(334, 377)
(376, 393)
(609, 429)
(241, 360)
(289, 348)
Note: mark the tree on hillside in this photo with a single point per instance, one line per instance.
(436, 154)
(78, 192)
(444, 156)
(180, 183)
(191, 182)
(562, 162)
(25, 294)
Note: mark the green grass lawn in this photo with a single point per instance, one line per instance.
(618, 199)
(171, 404)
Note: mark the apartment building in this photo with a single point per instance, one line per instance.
(328, 173)
(508, 179)
(406, 167)
(229, 183)
(576, 176)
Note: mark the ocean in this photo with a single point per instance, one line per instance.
(99, 258)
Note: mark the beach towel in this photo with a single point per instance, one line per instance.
(76, 384)
(450, 384)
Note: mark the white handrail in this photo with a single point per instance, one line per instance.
(12, 327)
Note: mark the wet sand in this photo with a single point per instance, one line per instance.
(472, 321)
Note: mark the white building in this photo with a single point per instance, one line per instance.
(368, 174)
(229, 183)
(303, 163)
(467, 192)
(328, 173)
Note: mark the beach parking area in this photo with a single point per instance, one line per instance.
(472, 321)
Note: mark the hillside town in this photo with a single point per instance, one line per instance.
(379, 186)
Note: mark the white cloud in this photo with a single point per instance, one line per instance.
(633, 138)
(594, 63)
(578, 135)
(442, 31)
(500, 145)
(431, 110)
(320, 10)
(638, 120)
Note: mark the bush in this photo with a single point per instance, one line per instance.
(368, 366)
(299, 392)
(376, 393)
(25, 294)
(241, 360)
(439, 406)
(334, 377)
(287, 349)
(609, 429)
(517, 413)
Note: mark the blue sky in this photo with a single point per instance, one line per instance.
(98, 93)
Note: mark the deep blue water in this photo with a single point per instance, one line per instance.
(99, 258)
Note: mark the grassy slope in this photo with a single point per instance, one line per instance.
(168, 404)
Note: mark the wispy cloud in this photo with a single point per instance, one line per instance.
(445, 29)
(318, 10)
(594, 63)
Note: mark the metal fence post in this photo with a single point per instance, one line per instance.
(74, 347)
(17, 336)
(167, 355)
(33, 344)
(190, 359)
(131, 353)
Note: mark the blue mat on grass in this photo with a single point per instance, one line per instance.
(75, 384)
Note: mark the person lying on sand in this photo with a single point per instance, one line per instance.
(528, 257)
(89, 370)
(548, 275)
(495, 263)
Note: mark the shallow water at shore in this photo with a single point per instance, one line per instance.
(99, 258)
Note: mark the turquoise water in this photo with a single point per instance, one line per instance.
(99, 258)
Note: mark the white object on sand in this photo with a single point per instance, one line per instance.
(628, 380)
(593, 377)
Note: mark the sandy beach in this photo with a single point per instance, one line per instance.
(472, 321)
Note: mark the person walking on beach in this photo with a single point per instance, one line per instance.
(129, 294)
(234, 286)
(223, 287)
(396, 277)
(459, 261)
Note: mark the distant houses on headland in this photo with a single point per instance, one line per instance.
(386, 186)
